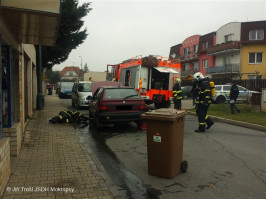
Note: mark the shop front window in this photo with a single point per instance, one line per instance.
(9, 86)
(5, 84)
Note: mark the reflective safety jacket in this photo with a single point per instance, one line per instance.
(177, 92)
(68, 116)
(65, 116)
(203, 95)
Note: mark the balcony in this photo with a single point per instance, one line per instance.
(189, 58)
(224, 47)
(231, 68)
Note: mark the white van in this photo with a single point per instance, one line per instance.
(81, 94)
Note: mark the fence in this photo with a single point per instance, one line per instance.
(250, 84)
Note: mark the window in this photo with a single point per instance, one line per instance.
(205, 63)
(241, 89)
(84, 87)
(195, 48)
(256, 35)
(254, 76)
(255, 58)
(10, 75)
(120, 93)
(186, 51)
(218, 88)
(228, 37)
(70, 73)
(205, 45)
(227, 87)
(196, 65)
(186, 67)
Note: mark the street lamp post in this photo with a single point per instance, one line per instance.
(81, 65)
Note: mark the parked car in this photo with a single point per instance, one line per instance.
(116, 104)
(65, 90)
(186, 91)
(222, 94)
(81, 94)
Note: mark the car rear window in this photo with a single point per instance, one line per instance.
(121, 93)
(84, 87)
(67, 85)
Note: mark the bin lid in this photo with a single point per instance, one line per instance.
(164, 114)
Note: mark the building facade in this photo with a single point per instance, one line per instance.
(226, 52)
(235, 51)
(253, 50)
(18, 35)
(206, 61)
(187, 53)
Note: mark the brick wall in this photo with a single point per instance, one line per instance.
(15, 135)
(4, 163)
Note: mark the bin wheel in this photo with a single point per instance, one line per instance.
(184, 166)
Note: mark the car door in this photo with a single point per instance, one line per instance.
(243, 94)
(226, 91)
(93, 105)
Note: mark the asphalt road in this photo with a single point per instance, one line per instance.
(225, 162)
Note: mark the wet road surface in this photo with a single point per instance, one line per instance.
(131, 186)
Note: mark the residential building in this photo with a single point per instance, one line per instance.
(175, 52)
(253, 50)
(189, 56)
(18, 91)
(205, 60)
(226, 52)
(72, 74)
(187, 53)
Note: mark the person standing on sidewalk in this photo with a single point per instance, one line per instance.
(203, 100)
(233, 96)
(177, 94)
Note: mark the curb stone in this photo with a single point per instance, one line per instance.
(234, 122)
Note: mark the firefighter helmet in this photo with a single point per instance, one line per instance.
(198, 76)
(177, 80)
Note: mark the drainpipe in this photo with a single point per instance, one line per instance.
(40, 96)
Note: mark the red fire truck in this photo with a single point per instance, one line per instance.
(152, 76)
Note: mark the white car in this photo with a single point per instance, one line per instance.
(81, 94)
(222, 94)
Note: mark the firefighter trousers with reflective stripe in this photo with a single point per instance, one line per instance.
(177, 104)
(203, 119)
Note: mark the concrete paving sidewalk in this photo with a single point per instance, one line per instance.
(53, 163)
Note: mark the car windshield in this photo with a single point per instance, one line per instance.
(67, 85)
(84, 87)
(121, 93)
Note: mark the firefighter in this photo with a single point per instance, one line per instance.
(177, 94)
(68, 116)
(78, 117)
(203, 100)
(234, 92)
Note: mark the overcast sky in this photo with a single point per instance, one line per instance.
(121, 29)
